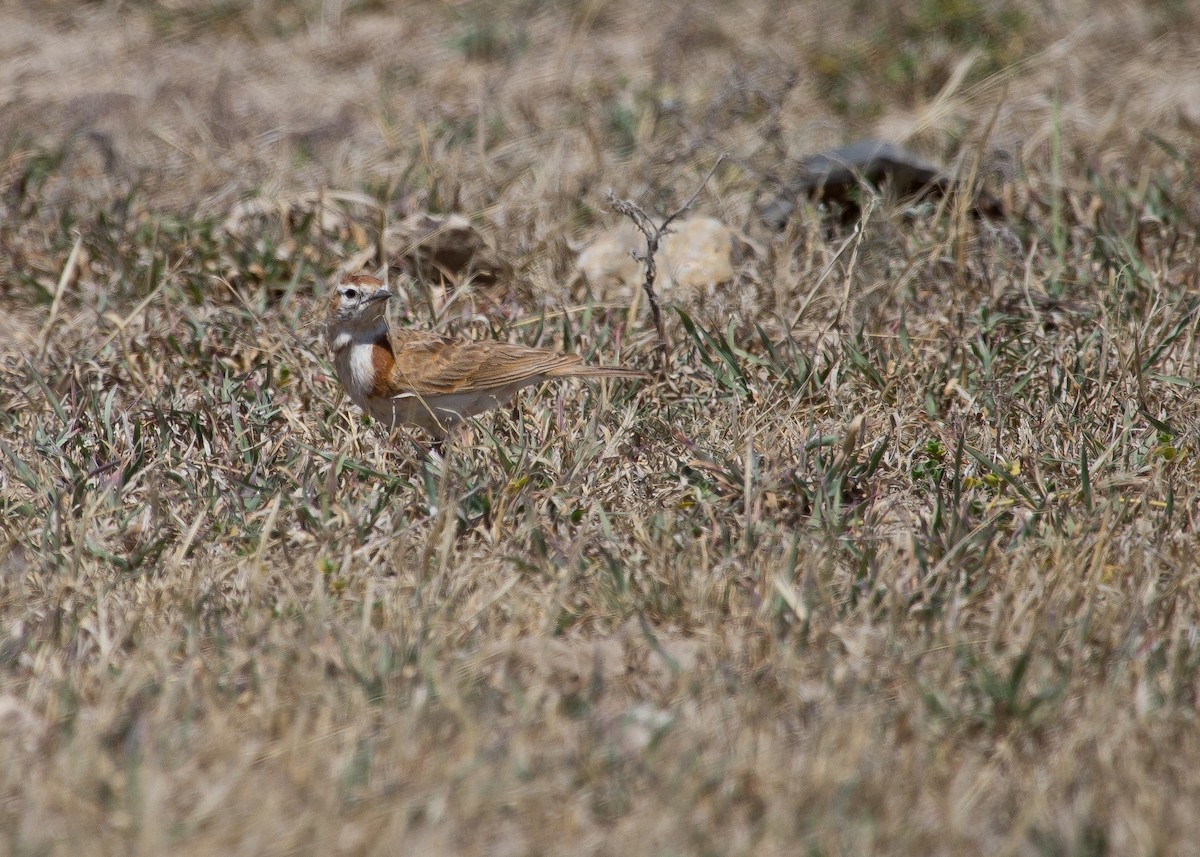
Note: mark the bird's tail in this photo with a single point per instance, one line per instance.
(579, 371)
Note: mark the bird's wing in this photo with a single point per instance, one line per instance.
(427, 364)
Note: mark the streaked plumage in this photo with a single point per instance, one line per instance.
(422, 379)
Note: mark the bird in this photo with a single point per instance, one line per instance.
(432, 382)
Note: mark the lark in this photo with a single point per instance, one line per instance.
(414, 378)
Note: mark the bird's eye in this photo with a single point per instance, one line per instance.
(351, 293)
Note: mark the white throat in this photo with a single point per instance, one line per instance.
(353, 347)
(344, 333)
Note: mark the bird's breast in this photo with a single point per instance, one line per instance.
(382, 360)
(364, 368)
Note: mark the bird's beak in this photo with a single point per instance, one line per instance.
(381, 295)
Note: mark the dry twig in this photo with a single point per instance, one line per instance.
(654, 236)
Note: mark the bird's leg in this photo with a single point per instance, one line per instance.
(437, 445)
(441, 434)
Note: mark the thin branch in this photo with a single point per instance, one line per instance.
(654, 236)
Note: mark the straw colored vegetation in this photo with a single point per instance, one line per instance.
(897, 557)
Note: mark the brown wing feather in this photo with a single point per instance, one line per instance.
(431, 365)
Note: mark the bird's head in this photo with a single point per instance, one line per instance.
(357, 307)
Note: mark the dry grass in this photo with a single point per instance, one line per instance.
(899, 558)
